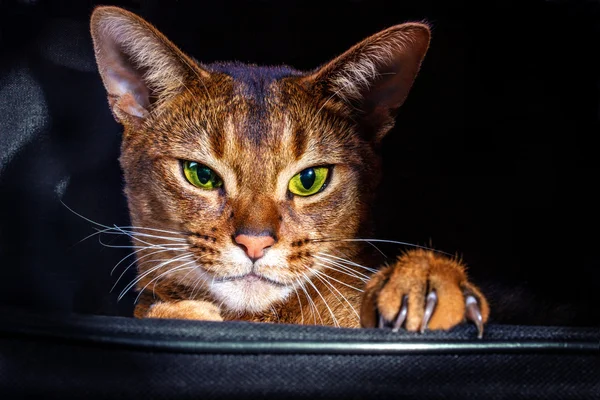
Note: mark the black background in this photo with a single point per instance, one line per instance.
(493, 157)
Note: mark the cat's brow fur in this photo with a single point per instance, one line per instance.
(256, 127)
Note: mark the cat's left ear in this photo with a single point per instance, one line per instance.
(139, 66)
(374, 77)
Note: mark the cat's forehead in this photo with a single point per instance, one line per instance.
(259, 106)
(254, 116)
(253, 82)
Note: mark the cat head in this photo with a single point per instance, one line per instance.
(249, 180)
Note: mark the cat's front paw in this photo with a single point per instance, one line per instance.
(422, 290)
(185, 309)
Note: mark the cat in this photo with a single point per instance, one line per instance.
(250, 187)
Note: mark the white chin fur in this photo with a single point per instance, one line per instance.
(244, 296)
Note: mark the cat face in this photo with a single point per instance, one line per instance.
(253, 147)
(258, 177)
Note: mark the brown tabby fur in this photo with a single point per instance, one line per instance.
(257, 130)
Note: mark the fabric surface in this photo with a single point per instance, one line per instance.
(58, 356)
(104, 373)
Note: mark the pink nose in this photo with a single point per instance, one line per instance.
(254, 245)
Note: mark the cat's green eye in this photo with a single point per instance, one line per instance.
(201, 176)
(308, 181)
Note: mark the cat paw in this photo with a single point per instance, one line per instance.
(185, 309)
(422, 290)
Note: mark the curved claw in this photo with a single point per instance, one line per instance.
(401, 315)
(429, 307)
(381, 324)
(473, 313)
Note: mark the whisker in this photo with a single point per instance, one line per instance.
(117, 230)
(112, 271)
(343, 283)
(132, 236)
(313, 307)
(197, 282)
(201, 277)
(157, 278)
(82, 217)
(274, 312)
(139, 265)
(137, 251)
(149, 229)
(112, 246)
(191, 269)
(169, 246)
(182, 279)
(362, 280)
(177, 268)
(335, 322)
(377, 248)
(345, 268)
(343, 260)
(299, 303)
(347, 272)
(324, 279)
(109, 227)
(151, 270)
(380, 241)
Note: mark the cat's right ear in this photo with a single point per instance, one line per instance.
(139, 66)
(373, 78)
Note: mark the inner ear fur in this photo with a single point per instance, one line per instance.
(374, 76)
(139, 66)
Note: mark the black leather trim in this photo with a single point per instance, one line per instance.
(253, 338)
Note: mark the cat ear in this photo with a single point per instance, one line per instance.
(139, 66)
(374, 77)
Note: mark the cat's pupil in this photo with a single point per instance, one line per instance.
(307, 177)
(204, 175)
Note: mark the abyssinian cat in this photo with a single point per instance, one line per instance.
(249, 188)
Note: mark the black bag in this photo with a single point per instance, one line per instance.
(54, 356)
